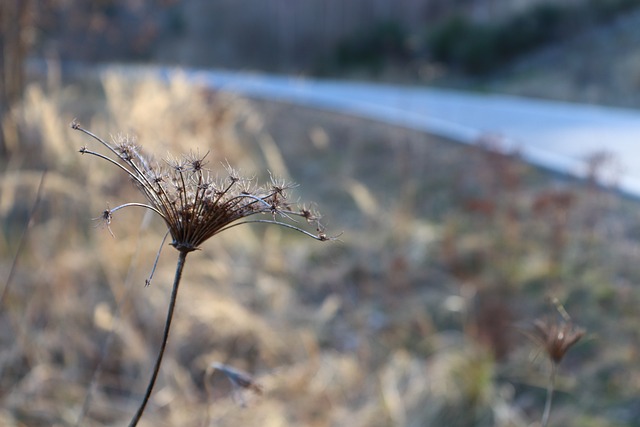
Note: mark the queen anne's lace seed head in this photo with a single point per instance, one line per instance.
(557, 338)
(194, 205)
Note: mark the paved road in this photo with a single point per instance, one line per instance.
(551, 134)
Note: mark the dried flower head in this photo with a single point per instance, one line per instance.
(556, 337)
(194, 204)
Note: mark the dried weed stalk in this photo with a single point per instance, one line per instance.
(555, 338)
(196, 206)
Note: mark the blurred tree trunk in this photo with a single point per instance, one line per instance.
(14, 43)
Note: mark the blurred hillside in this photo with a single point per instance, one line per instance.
(314, 36)
(598, 66)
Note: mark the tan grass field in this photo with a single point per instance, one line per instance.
(420, 315)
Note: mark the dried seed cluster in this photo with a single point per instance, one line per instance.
(194, 204)
(557, 338)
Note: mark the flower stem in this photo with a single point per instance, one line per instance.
(550, 388)
(167, 325)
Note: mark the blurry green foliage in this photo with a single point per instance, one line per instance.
(481, 47)
(372, 47)
(474, 47)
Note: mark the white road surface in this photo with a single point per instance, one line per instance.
(556, 135)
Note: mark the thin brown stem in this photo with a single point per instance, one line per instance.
(550, 388)
(167, 325)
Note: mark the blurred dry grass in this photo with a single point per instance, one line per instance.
(411, 320)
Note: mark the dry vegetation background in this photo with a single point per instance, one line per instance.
(418, 317)
(421, 315)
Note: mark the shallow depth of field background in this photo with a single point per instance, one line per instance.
(421, 313)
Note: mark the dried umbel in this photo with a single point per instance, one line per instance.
(192, 202)
(195, 205)
(557, 338)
